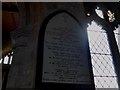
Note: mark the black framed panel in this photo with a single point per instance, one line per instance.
(63, 58)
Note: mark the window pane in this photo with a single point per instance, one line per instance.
(6, 60)
(117, 36)
(102, 65)
(101, 57)
(105, 82)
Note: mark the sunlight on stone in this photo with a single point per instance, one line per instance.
(1, 60)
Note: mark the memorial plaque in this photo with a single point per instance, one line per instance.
(64, 53)
(63, 57)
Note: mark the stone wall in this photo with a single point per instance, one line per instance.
(25, 38)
